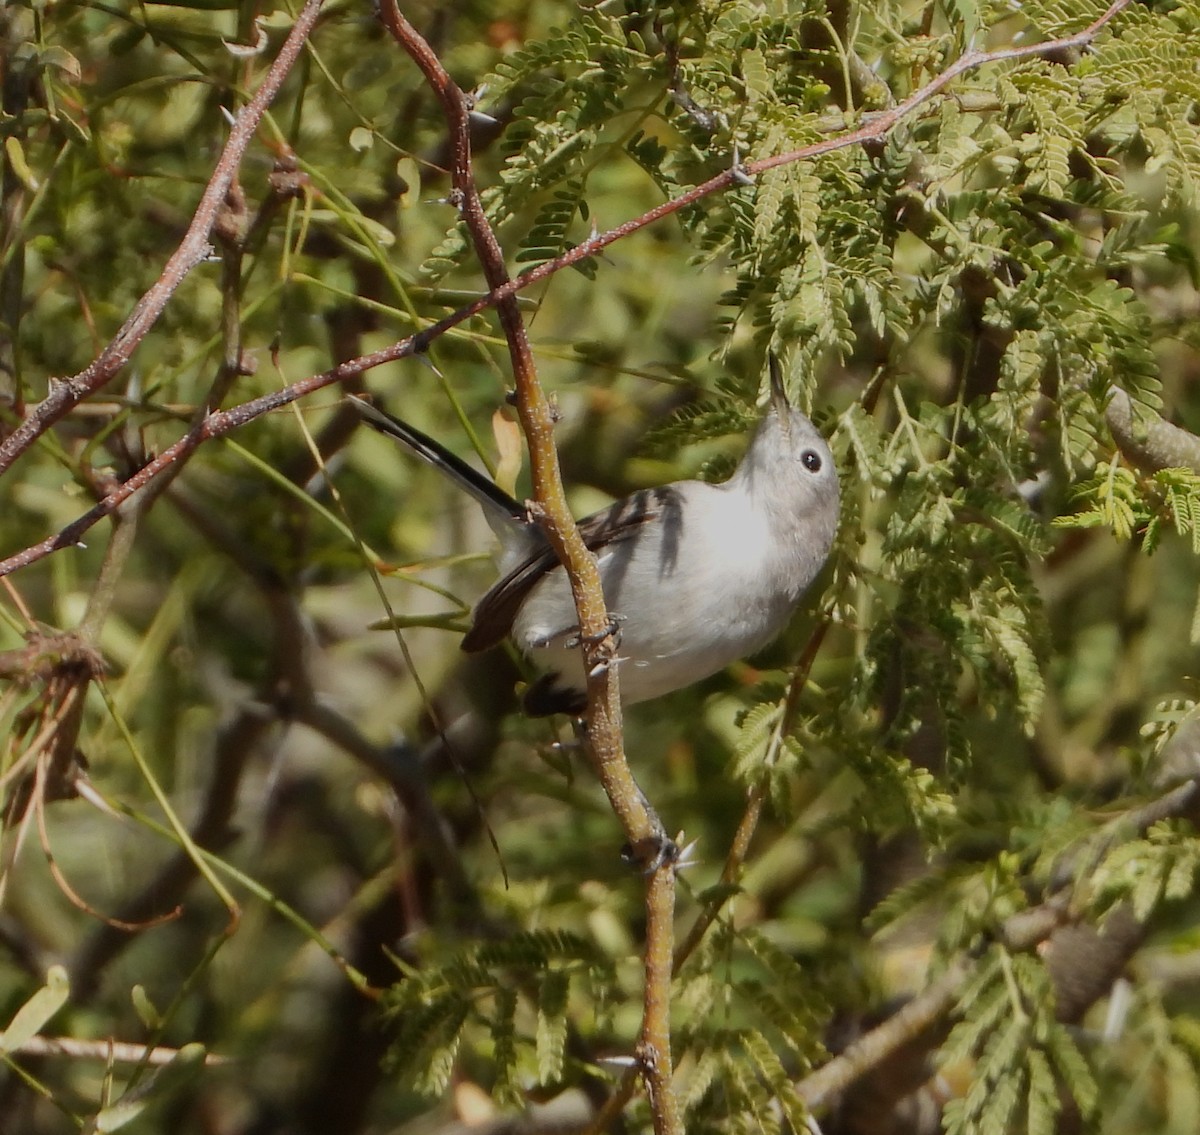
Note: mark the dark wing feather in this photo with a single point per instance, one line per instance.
(497, 610)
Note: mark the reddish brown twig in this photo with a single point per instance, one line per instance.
(191, 251)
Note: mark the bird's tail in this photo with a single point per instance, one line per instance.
(501, 509)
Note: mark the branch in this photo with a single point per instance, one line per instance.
(193, 249)
(929, 1008)
(537, 421)
(1153, 444)
(107, 1050)
(604, 727)
(1082, 960)
(735, 858)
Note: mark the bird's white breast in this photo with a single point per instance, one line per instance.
(707, 594)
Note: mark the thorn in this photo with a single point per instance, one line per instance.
(426, 361)
(1119, 1004)
(480, 118)
(85, 791)
(228, 114)
(687, 853)
(564, 747)
(655, 851)
(618, 1061)
(739, 174)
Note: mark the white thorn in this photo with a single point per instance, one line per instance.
(618, 1061)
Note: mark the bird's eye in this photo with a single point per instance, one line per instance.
(811, 460)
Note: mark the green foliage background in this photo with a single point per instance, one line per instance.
(1010, 612)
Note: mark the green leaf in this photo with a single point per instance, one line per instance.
(552, 1025)
(32, 1017)
(183, 1069)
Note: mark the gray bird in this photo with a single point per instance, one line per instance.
(695, 575)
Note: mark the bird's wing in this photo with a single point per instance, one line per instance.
(497, 610)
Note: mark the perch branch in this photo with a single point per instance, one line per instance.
(553, 513)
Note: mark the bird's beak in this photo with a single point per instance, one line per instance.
(779, 399)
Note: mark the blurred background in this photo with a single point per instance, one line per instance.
(996, 666)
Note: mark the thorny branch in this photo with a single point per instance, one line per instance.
(193, 249)
(735, 858)
(605, 740)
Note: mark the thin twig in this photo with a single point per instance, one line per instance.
(112, 570)
(739, 847)
(192, 250)
(120, 1051)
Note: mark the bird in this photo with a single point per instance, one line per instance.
(695, 575)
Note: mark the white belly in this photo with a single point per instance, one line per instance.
(689, 599)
